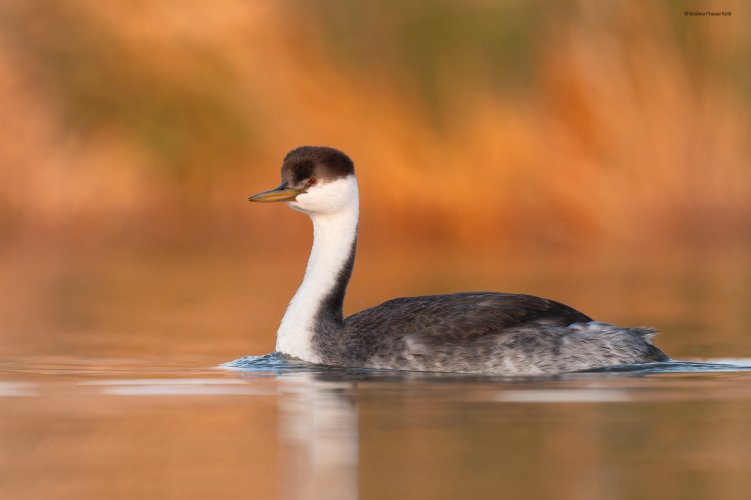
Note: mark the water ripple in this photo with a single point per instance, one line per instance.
(279, 364)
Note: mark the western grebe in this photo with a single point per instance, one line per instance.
(471, 332)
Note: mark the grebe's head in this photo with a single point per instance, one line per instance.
(315, 180)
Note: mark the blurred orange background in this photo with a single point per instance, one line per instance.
(596, 152)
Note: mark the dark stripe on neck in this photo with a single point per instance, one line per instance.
(329, 319)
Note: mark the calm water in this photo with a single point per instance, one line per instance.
(110, 387)
(119, 429)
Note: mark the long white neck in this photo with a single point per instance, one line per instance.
(317, 304)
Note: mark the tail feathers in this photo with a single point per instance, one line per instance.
(645, 332)
(648, 350)
(648, 334)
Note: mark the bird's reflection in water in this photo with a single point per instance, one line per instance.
(318, 437)
(326, 418)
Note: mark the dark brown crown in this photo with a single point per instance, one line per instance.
(323, 163)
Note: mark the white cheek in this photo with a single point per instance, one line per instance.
(327, 198)
(310, 201)
(294, 205)
(306, 202)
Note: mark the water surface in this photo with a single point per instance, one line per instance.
(268, 428)
(110, 385)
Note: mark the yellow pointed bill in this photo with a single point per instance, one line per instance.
(277, 194)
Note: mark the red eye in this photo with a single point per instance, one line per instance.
(312, 181)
